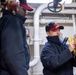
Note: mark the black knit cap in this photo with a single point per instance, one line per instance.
(53, 26)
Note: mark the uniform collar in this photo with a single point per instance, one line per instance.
(7, 12)
(21, 17)
(53, 39)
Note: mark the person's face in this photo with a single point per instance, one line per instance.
(54, 33)
(22, 11)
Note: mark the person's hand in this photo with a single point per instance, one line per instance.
(71, 47)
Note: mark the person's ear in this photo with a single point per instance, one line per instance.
(18, 8)
(47, 33)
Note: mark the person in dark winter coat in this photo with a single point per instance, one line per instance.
(14, 50)
(57, 58)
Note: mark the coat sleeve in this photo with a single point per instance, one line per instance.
(13, 48)
(52, 60)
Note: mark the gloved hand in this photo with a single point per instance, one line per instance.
(73, 40)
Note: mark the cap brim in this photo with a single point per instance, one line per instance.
(56, 27)
(27, 7)
(61, 27)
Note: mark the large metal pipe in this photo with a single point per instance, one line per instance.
(36, 35)
(74, 24)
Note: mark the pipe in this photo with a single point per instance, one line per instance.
(36, 35)
(74, 24)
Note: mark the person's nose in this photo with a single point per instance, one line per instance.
(58, 32)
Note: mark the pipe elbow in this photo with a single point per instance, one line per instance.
(34, 62)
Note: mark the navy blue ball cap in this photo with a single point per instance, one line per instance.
(24, 4)
(53, 26)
